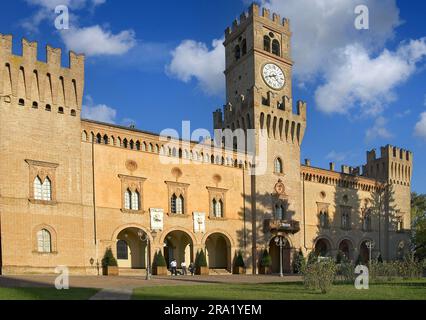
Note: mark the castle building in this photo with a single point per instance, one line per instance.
(71, 188)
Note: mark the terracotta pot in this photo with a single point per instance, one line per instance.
(202, 271)
(239, 270)
(160, 271)
(264, 270)
(110, 271)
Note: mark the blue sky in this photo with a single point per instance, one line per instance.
(158, 63)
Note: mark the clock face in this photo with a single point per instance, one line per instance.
(273, 76)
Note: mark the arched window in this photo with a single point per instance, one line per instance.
(46, 190)
(98, 138)
(122, 250)
(131, 200)
(135, 201)
(267, 43)
(346, 219)
(278, 166)
(125, 144)
(177, 204)
(44, 244)
(105, 139)
(244, 47)
(237, 52)
(38, 194)
(323, 219)
(138, 145)
(279, 212)
(217, 208)
(276, 47)
(366, 221)
(127, 199)
(150, 147)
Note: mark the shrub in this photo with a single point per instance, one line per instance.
(312, 257)
(346, 270)
(319, 275)
(339, 257)
(159, 260)
(239, 261)
(298, 261)
(108, 259)
(200, 260)
(266, 260)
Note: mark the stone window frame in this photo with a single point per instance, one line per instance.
(53, 240)
(42, 170)
(343, 208)
(132, 183)
(364, 213)
(179, 189)
(321, 207)
(217, 194)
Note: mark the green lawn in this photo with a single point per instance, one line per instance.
(413, 290)
(45, 294)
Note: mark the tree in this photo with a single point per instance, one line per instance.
(266, 260)
(298, 261)
(108, 259)
(239, 261)
(418, 220)
(200, 260)
(159, 260)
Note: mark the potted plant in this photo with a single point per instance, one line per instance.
(265, 263)
(201, 267)
(160, 265)
(239, 265)
(109, 264)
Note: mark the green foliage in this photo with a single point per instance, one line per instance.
(339, 257)
(239, 260)
(408, 268)
(319, 275)
(159, 260)
(108, 259)
(359, 260)
(418, 219)
(298, 261)
(346, 271)
(266, 260)
(200, 259)
(312, 257)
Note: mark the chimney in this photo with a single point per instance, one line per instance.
(307, 162)
(332, 166)
(345, 169)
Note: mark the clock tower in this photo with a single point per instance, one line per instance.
(259, 97)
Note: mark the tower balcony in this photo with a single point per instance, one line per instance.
(284, 226)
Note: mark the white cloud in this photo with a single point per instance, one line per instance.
(357, 78)
(379, 130)
(95, 41)
(98, 112)
(337, 156)
(320, 27)
(194, 60)
(420, 128)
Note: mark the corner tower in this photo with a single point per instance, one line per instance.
(259, 96)
(394, 166)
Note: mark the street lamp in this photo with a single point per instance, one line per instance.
(280, 241)
(143, 236)
(370, 245)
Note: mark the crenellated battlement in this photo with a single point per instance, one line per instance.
(24, 78)
(256, 12)
(394, 164)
